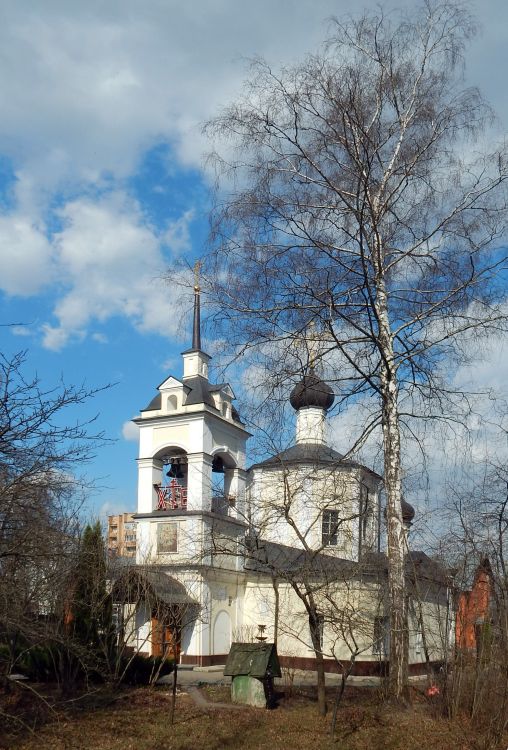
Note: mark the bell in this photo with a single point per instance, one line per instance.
(175, 470)
(218, 465)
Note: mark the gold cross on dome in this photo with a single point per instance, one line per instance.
(312, 342)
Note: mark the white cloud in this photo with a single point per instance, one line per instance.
(130, 431)
(112, 508)
(171, 363)
(88, 88)
(177, 235)
(26, 262)
(101, 338)
(54, 337)
(21, 330)
(111, 263)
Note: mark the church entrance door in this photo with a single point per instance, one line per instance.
(166, 639)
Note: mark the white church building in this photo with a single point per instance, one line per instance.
(231, 547)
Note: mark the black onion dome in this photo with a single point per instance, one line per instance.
(311, 391)
(408, 512)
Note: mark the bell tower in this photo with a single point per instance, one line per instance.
(191, 465)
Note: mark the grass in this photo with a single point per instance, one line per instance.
(138, 719)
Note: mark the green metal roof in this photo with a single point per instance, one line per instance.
(254, 659)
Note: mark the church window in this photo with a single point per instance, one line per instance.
(329, 529)
(419, 641)
(167, 538)
(172, 403)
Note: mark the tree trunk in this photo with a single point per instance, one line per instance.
(398, 672)
(173, 692)
(340, 691)
(315, 633)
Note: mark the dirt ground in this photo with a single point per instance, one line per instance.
(139, 720)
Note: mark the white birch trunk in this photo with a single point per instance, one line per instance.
(398, 674)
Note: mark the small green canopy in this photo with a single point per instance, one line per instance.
(254, 659)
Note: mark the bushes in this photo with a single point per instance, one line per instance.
(39, 664)
(43, 663)
(143, 670)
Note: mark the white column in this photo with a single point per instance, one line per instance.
(237, 489)
(149, 473)
(199, 481)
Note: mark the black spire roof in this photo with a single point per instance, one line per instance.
(196, 324)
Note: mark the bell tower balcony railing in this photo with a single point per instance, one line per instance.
(174, 497)
(171, 497)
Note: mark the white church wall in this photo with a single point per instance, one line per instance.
(222, 632)
(304, 493)
(349, 626)
(258, 609)
(195, 633)
(225, 542)
(199, 482)
(143, 629)
(429, 624)
(171, 540)
(144, 549)
(176, 435)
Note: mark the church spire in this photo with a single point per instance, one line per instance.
(195, 360)
(196, 327)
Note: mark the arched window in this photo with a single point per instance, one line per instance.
(172, 403)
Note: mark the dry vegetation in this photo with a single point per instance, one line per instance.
(139, 720)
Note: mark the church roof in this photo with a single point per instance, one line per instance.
(303, 453)
(199, 391)
(155, 403)
(316, 454)
(127, 577)
(281, 560)
(266, 557)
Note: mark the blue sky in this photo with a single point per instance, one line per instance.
(103, 188)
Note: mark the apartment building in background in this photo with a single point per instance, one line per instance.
(121, 540)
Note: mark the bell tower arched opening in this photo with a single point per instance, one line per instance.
(172, 486)
(223, 475)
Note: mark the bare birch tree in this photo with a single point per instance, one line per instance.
(353, 193)
(42, 442)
